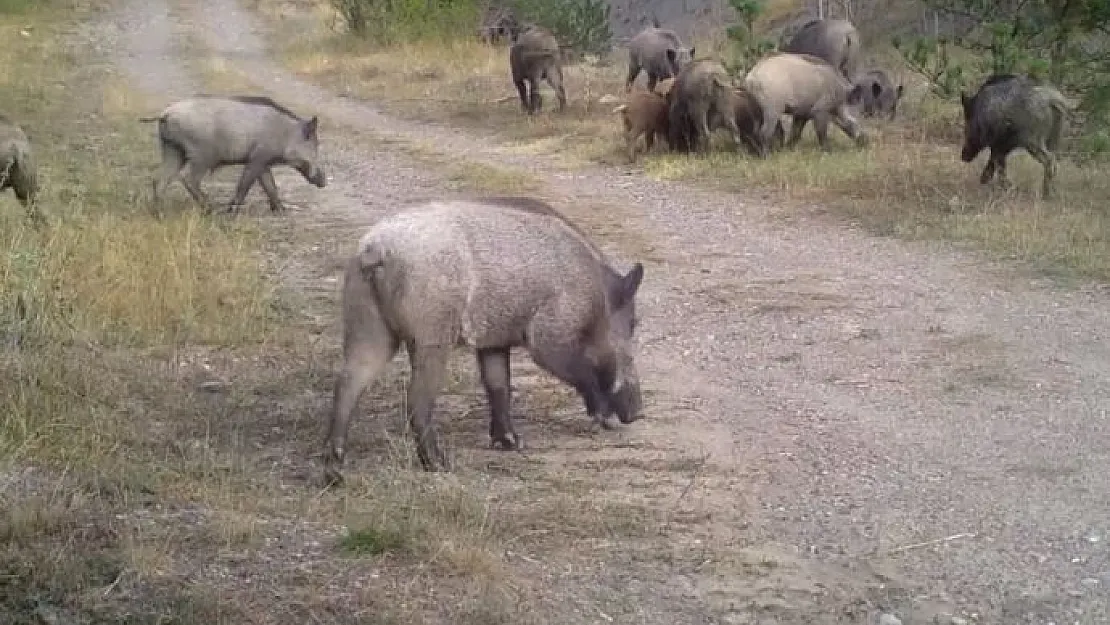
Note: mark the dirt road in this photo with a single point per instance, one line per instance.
(852, 396)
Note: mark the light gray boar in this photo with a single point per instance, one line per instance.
(204, 133)
(645, 114)
(489, 274)
(536, 56)
(701, 101)
(879, 96)
(1009, 112)
(836, 41)
(18, 169)
(659, 53)
(806, 88)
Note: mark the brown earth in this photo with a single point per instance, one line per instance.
(839, 425)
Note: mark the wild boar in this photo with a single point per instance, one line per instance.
(749, 120)
(645, 114)
(805, 87)
(836, 41)
(499, 24)
(489, 274)
(1009, 112)
(18, 168)
(659, 53)
(536, 56)
(879, 95)
(701, 101)
(204, 133)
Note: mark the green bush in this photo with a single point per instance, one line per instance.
(391, 21)
(745, 48)
(582, 25)
(1064, 44)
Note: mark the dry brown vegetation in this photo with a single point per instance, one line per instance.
(909, 182)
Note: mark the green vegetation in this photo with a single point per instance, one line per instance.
(1064, 43)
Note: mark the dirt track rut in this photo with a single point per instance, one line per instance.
(854, 395)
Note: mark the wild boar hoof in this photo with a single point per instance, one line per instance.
(508, 442)
(605, 422)
(332, 477)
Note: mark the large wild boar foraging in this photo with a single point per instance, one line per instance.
(489, 274)
(18, 169)
(1009, 112)
(835, 41)
(701, 101)
(536, 56)
(204, 133)
(659, 53)
(807, 88)
(879, 95)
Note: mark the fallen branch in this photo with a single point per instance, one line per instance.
(929, 543)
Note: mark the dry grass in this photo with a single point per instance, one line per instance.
(128, 492)
(162, 399)
(909, 183)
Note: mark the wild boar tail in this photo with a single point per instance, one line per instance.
(24, 171)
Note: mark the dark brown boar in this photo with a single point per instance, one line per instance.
(700, 101)
(536, 56)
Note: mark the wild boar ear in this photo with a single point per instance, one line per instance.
(964, 100)
(310, 127)
(630, 283)
(898, 91)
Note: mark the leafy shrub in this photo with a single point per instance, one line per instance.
(392, 21)
(582, 25)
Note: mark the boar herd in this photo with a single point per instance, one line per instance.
(496, 273)
(815, 76)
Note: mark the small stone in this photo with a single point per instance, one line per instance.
(212, 386)
(889, 619)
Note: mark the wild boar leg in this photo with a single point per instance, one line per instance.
(429, 368)
(701, 120)
(988, 170)
(555, 79)
(493, 363)
(191, 182)
(251, 171)
(523, 91)
(821, 129)
(1048, 161)
(633, 72)
(1000, 168)
(172, 161)
(797, 124)
(368, 346)
(269, 186)
(535, 101)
